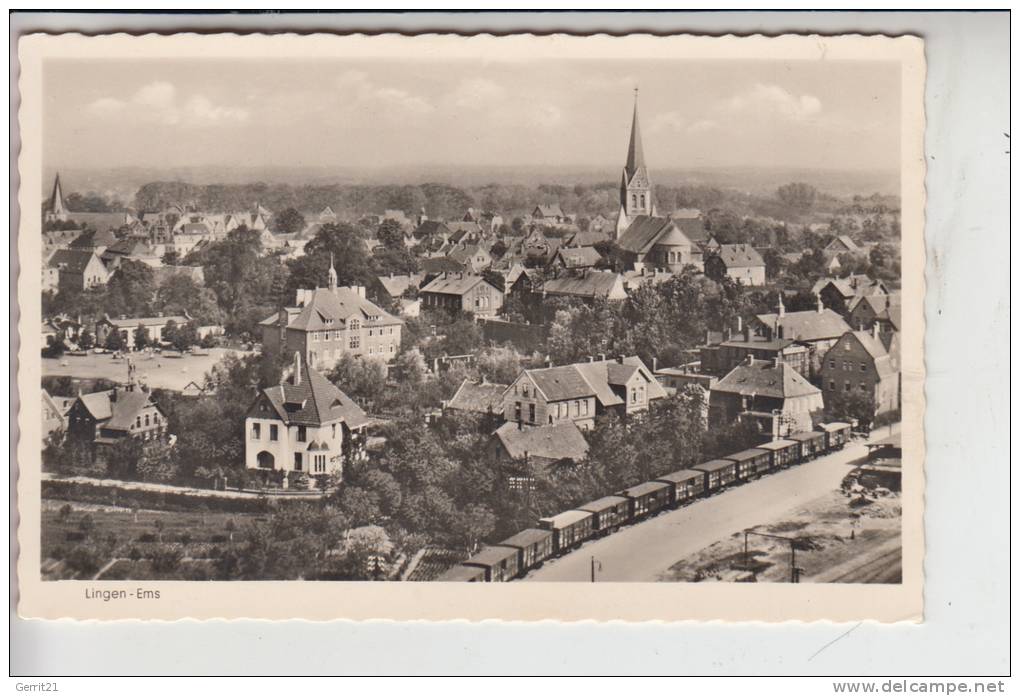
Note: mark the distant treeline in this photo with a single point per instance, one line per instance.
(451, 202)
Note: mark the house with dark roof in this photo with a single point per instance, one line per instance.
(770, 394)
(656, 243)
(576, 257)
(581, 391)
(92, 240)
(108, 417)
(818, 328)
(543, 445)
(133, 249)
(54, 413)
(81, 269)
(329, 322)
(720, 356)
(485, 398)
(549, 214)
(429, 229)
(881, 310)
(842, 244)
(462, 291)
(740, 262)
(843, 294)
(472, 257)
(395, 285)
(860, 363)
(587, 239)
(305, 424)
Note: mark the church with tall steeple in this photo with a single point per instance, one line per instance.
(635, 184)
(55, 209)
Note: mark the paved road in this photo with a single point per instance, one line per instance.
(642, 552)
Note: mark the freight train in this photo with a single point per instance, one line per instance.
(562, 533)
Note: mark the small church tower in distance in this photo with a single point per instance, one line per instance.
(635, 185)
(55, 211)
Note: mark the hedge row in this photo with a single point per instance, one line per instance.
(171, 501)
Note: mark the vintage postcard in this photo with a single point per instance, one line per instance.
(471, 327)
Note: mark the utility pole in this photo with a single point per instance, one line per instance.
(794, 570)
(595, 565)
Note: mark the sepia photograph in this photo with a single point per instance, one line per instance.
(381, 310)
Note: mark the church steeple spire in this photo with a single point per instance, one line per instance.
(636, 185)
(332, 273)
(56, 210)
(635, 152)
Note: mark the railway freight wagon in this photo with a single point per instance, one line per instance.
(463, 573)
(836, 435)
(812, 444)
(648, 498)
(784, 452)
(686, 484)
(720, 473)
(500, 563)
(610, 512)
(533, 547)
(569, 529)
(751, 463)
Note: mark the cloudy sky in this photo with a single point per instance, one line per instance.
(399, 114)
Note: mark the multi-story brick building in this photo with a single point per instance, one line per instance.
(581, 391)
(329, 322)
(859, 362)
(464, 292)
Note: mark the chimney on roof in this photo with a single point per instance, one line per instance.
(297, 368)
(591, 358)
(602, 357)
(747, 333)
(740, 324)
(548, 362)
(874, 330)
(655, 364)
(775, 362)
(619, 359)
(750, 360)
(782, 307)
(821, 307)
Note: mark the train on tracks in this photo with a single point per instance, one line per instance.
(560, 534)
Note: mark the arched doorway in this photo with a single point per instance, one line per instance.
(266, 460)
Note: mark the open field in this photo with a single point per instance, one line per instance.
(75, 549)
(158, 371)
(836, 542)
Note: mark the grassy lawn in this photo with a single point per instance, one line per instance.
(158, 371)
(839, 542)
(116, 531)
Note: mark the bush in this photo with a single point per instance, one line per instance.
(147, 538)
(166, 558)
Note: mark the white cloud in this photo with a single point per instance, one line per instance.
(360, 91)
(773, 99)
(703, 126)
(476, 93)
(669, 121)
(546, 116)
(157, 102)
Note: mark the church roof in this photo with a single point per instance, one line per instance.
(646, 230)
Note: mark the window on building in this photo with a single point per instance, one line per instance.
(864, 367)
(155, 419)
(354, 325)
(585, 407)
(633, 395)
(864, 387)
(846, 386)
(256, 431)
(633, 199)
(138, 422)
(642, 200)
(298, 463)
(146, 420)
(531, 412)
(517, 411)
(832, 364)
(832, 385)
(524, 389)
(355, 341)
(302, 433)
(577, 408)
(334, 431)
